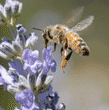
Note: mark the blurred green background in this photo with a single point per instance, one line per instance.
(85, 85)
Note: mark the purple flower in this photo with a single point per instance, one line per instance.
(12, 80)
(31, 60)
(5, 76)
(34, 107)
(16, 108)
(48, 62)
(32, 41)
(15, 64)
(26, 99)
(42, 97)
(61, 106)
(4, 39)
(2, 82)
(11, 9)
(52, 100)
(7, 50)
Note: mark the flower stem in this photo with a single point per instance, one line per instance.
(13, 32)
(36, 99)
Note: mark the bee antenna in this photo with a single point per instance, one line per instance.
(38, 29)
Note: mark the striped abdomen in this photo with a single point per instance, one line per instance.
(77, 44)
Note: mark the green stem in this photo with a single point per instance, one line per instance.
(36, 99)
(13, 31)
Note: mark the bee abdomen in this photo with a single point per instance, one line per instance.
(84, 50)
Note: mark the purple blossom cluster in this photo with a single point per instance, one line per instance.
(27, 77)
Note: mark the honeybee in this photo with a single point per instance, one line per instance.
(68, 37)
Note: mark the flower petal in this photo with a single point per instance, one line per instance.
(17, 47)
(20, 7)
(48, 80)
(40, 80)
(31, 60)
(20, 30)
(61, 106)
(8, 48)
(35, 106)
(48, 62)
(4, 39)
(25, 98)
(16, 108)
(17, 66)
(8, 11)
(52, 100)
(5, 56)
(2, 82)
(5, 75)
(26, 54)
(42, 97)
(32, 41)
(36, 66)
(12, 72)
(13, 89)
(27, 67)
(53, 66)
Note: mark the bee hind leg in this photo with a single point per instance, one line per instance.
(69, 55)
(65, 59)
(63, 64)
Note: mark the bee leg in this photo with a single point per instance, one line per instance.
(53, 41)
(63, 64)
(61, 51)
(69, 55)
(65, 47)
(65, 54)
(65, 59)
(46, 42)
(54, 47)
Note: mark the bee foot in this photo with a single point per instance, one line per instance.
(63, 70)
(63, 64)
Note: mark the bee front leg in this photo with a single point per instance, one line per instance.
(45, 39)
(46, 42)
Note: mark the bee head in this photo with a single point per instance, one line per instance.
(47, 29)
(47, 32)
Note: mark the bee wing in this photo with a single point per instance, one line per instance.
(74, 16)
(83, 24)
